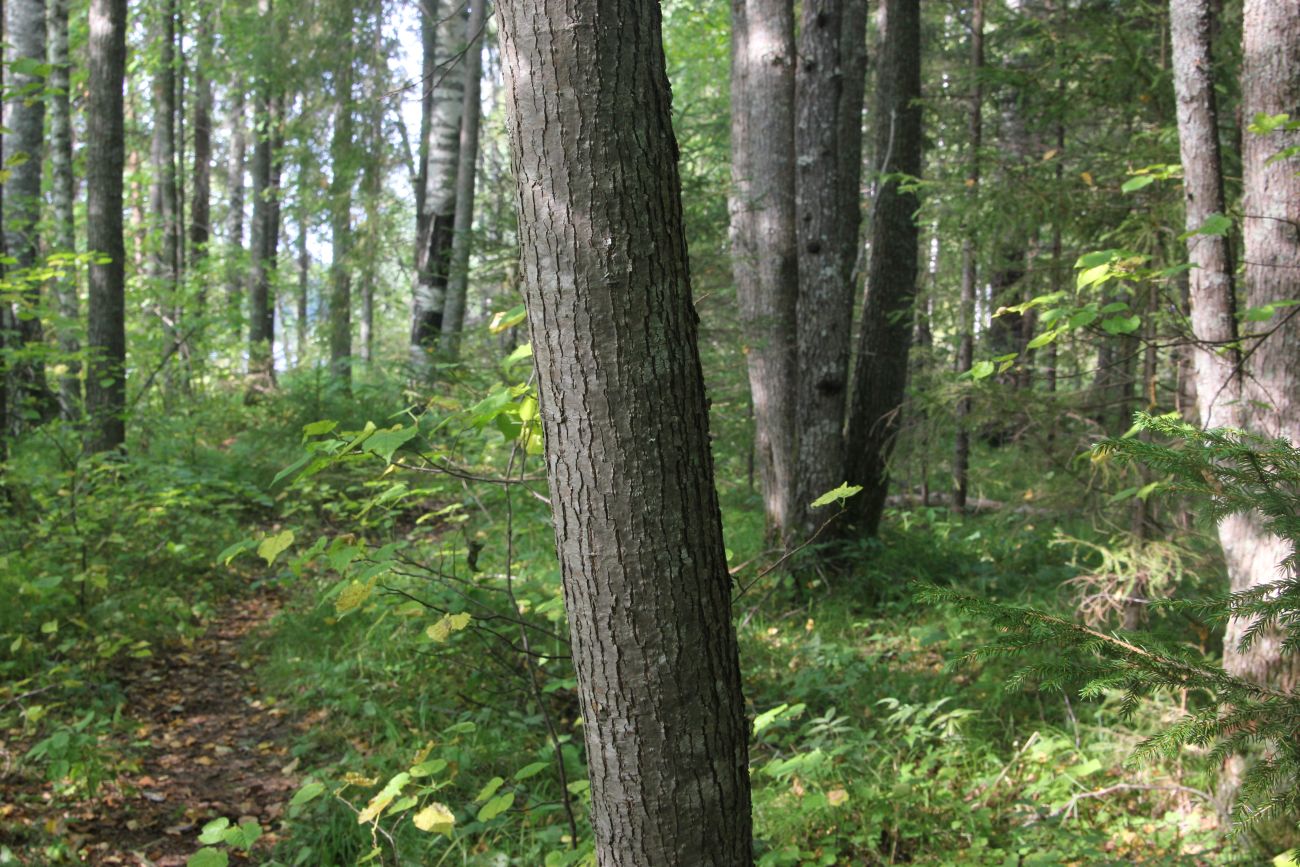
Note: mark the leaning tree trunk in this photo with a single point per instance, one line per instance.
(25, 120)
(623, 408)
(341, 174)
(453, 320)
(764, 238)
(105, 155)
(969, 266)
(829, 91)
(439, 198)
(880, 373)
(1271, 381)
(62, 195)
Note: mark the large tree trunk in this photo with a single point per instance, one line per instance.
(25, 121)
(453, 320)
(764, 238)
(829, 91)
(105, 154)
(885, 336)
(636, 515)
(62, 195)
(969, 266)
(265, 239)
(341, 175)
(439, 198)
(1271, 385)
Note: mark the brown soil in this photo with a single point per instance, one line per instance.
(204, 746)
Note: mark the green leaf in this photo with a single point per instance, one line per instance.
(1042, 340)
(982, 370)
(843, 492)
(1263, 124)
(532, 770)
(318, 428)
(1121, 324)
(496, 807)
(507, 319)
(385, 797)
(385, 442)
(449, 623)
(428, 768)
(1094, 275)
(1134, 184)
(273, 546)
(233, 551)
(488, 790)
(208, 857)
(213, 831)
(1215, 224)
(307, 794)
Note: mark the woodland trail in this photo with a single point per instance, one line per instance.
(203, 745)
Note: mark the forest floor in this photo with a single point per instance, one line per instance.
(197, 743)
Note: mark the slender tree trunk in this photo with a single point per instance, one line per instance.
(829, 92)
(201, 198)
(764, 237)
(453, 320)
(439, 198)
(1271, 384)
(969, 267)
(235, 275)
(261, 317)
(885, 337)
(165, 265)
(636, 514)
(105, 137)
(341, 176)
(25, 120)
(304, 259)
(8, 335)
(372, 188)
(62, 195)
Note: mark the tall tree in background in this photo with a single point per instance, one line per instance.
(372, 182)
(105, 155)
(62, 194)
(969, 266)
(439, 197)
(163, 194)
(453, 320)
(201, 197)
(25, 120)
(636, 514)
(765, 262)
(340, 209)
(1270, 387)
(235, 126)
(266, 224)
(885, 337)
(829, 90)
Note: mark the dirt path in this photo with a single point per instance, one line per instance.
(205, 746)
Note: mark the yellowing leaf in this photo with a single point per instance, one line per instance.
(843, 492)
(352, 778)
(273, 546)
(353, 595)
(385, 797)
(1087, 178)
(835, 797)
(435, 818)
(449, 623)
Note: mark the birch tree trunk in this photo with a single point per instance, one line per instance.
(453, 320)
(636, 515)
(105, 155)
(439, 198)
(829, 92)
(62, 196)
(880, 372)
(25, 122)
(763, 236)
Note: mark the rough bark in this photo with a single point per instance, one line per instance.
(829, 92)
(439, 199)
(62, 195)
(25, 120)
(453, 320)
(764, 241)
(265, 236)
(304, 260)
(105, 136)
(235, 278)
(969, 266)
(163, 196)
(201, 197)
(884, 339)
(623, 408)
(342, 173)
(1271, 385)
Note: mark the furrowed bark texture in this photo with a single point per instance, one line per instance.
(636, 516)
(969, 266)
(105, 155)
(62, 195)
(829, 89)
(1271, 235)
(235, 186)
(764, 242)
(163, 199)
(25, 120)
(341, 178)
(201, 201)
(880, 372)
